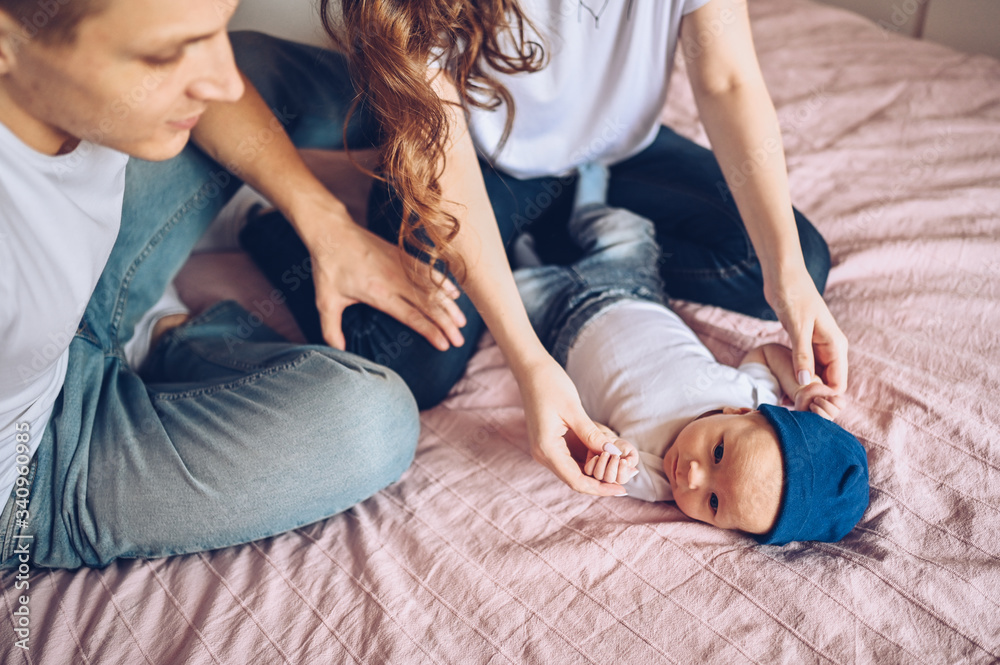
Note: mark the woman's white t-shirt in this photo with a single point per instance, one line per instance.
(59, 219)
(600, 97)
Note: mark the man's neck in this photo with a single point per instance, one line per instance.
(35, 133)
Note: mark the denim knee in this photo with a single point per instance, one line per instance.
(389, 420)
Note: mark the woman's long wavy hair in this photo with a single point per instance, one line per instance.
(389, 44)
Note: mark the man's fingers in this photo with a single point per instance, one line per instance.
(455, 312)
(330, 323)
(405, 312)
(449, 318)
(440, 310)
(447, 285)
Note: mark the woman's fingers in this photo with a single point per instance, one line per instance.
(802, 354)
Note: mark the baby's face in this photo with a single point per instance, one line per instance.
(725, 469)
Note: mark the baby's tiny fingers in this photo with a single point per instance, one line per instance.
(820, 412)
(625, 473)
(588, 467)
(830, 407)
(611, 472)
(601, 465)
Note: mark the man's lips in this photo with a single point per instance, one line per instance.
(187, 123)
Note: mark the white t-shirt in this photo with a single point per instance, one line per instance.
(59, 218)
(602, 93)
(645, 374)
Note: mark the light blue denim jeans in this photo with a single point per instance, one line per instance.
(232, 434)
(619, 262)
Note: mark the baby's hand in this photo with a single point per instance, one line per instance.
(613, 468)
(820, 399)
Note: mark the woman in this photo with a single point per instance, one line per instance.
(486, 58)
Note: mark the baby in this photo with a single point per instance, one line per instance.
(707, 436)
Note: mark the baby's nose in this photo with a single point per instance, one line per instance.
(696, 475)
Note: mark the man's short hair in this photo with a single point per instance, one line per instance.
(51, 21)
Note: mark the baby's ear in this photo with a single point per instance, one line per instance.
(733, 411)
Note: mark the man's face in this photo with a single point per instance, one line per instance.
(137, 77)
(725, 469)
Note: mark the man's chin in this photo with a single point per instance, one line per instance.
(155, 150)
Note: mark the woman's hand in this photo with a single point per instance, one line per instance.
(819, 348)
(352, 265)
(555, 416)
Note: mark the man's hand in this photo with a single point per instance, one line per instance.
(352, 265)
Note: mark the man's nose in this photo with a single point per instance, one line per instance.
(696, 475)
(221, 80)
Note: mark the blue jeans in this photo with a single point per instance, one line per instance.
(231, 434)
(707, 255)
(618, 262)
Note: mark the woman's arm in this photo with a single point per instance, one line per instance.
(350, 263)
(742, 125)
(551, 403)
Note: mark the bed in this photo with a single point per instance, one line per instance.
(479, 555)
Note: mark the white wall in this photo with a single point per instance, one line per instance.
(966, 25)
(292, 19)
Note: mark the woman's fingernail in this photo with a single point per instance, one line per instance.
(612, 448)
(622, 494)
(804, 377)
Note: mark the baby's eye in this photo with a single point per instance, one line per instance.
(718, 452)
(714, 502)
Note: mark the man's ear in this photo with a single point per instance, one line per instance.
(11, 40)
(733, 411)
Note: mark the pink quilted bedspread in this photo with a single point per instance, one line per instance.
(480, 555)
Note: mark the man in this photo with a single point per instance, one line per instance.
(230, 434)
